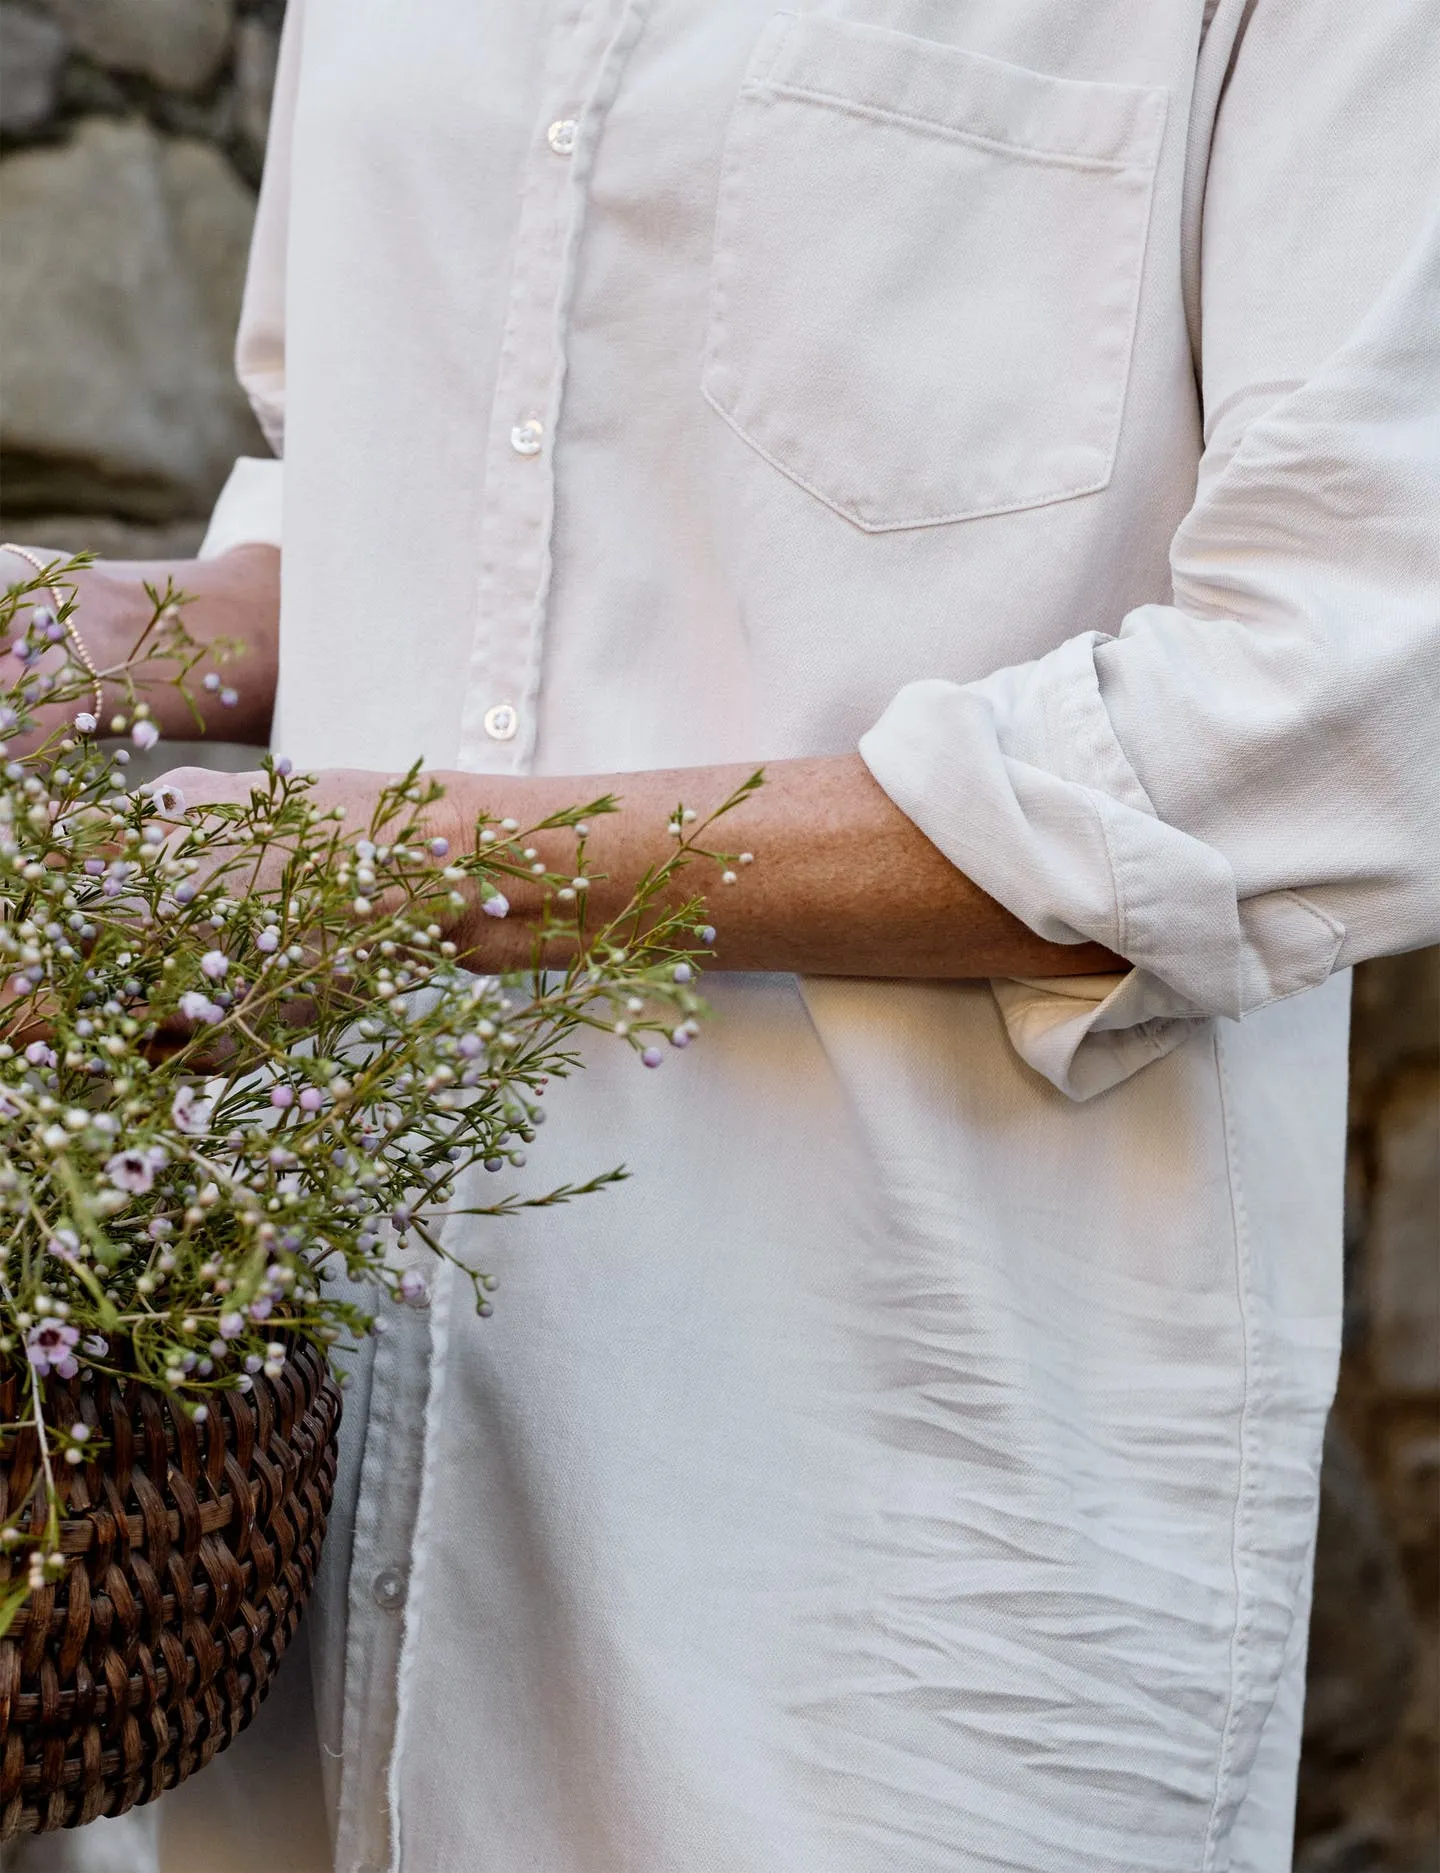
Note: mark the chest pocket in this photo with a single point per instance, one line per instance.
(926, 271)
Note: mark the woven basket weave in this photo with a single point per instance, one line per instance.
(192, 1550)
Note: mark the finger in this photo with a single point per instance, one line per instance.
(187, 790)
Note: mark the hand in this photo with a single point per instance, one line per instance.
(183, 792)
(235, 597)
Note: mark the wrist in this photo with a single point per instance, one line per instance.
(510, 810)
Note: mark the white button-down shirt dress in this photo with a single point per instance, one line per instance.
(913, 1468)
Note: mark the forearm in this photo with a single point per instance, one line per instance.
(840, 883)
(235, 596)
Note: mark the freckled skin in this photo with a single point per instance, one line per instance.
(842, 882)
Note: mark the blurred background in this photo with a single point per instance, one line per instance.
(132, 134)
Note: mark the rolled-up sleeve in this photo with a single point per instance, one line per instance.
(1237, 791)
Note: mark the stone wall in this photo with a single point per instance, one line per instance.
(132, 135)
(1370, 1777)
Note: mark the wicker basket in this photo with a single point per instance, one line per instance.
(194, 1549)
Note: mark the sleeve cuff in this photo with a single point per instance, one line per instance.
(248, 512)
(1022, 784)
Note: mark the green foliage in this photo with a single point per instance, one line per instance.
(239, 1051)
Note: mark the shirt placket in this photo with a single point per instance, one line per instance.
(498, 734)
(499, 718)
(380, 1570)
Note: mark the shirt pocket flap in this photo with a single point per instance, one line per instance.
(949, 89)
(926, 272)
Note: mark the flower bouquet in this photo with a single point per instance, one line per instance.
(239, 1054)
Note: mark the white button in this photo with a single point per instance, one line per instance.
(527, 438)
(387, 1590)
(501, 721)
(561, 136)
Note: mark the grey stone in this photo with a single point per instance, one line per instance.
(32, 51)
(125, 256)
(210, 116)
(1402, 1247)
(1362, 1634)
(1359, 1848)
(87, 90)
(257, 48)
(106, 537)
(1396, 1015)
(1413, 1493)
(222, 757)
(179, 44)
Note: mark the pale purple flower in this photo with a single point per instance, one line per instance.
(682, 972)
(652, 1057)
(168, 799)
(260, 1309)
(229, 698)
(145, 734)
(281, 1097)
(40, 1055)
(284, 767)
(214, 963)
(198, 1007)
(470, 1046)
(96, 1345)
(131, 1171)
(440, 848)
(496, 905)
(191, 1111)
(413, 1288)
(85, 723)
(312, 1099)
(48, 1348)
(706, 933)
(210, 681)
(231, 1326)
(94, 867)
(268, 941)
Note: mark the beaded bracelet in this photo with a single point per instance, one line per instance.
(82, 655)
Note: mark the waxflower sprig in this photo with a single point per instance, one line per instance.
(239, 1052)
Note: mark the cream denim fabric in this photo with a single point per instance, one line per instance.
(913, 1468)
